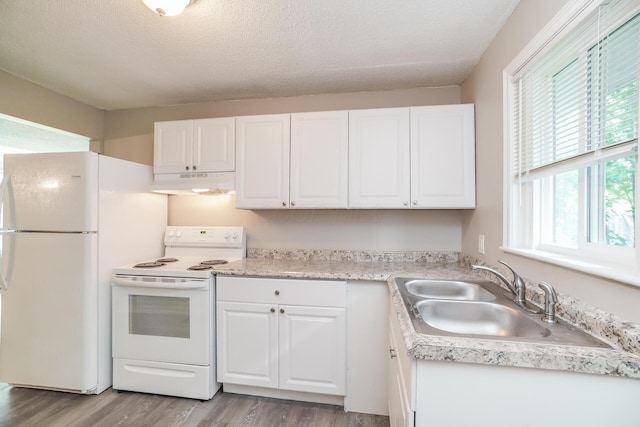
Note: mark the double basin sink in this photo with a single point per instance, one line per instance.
(481, 309)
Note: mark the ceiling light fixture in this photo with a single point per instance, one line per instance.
(168, 7)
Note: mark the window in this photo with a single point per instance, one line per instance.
(21, 136)
(572, 115)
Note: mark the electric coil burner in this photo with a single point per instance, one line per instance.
(200, 267)
(214, 262)
(164, 314)
(151, 264)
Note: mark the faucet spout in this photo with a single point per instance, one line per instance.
(498, 275)
(517, 287)
(518, 284)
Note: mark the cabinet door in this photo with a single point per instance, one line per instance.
(247, 344)
(443, 156)
(312, 349)
(379, 158)
(172, 146)
(319, 156)
(400, 412)
(262, 164)
(214, 145)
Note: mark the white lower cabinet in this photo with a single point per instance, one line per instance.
(247, 344)
(401, 371)
(312, 353)
(282, 334)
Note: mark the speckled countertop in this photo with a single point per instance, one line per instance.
(621, 360)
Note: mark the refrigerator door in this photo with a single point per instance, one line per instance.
(6, 250)
(52, 191)
(49, 313)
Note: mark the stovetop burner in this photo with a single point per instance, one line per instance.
(151, 264)
(199, 267)
(167, 260)
(214, 262)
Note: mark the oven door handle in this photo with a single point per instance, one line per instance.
(133, 283)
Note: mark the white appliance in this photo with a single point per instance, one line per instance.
(68, 219)
(164, 314)
(190, 183)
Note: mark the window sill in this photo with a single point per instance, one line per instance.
(622, 274)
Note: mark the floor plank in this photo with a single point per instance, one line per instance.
(23, 407)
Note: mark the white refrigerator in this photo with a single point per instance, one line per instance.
(67, 220)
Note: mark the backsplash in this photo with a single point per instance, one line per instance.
(355, 256)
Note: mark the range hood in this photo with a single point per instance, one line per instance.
(194, 183)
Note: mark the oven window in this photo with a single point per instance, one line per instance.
(159, 316)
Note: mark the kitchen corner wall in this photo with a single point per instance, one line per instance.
(484, 88)
(129, 135)
(27, 101)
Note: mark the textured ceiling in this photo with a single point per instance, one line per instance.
(115, 54)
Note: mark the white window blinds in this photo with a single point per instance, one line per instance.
(577, 103)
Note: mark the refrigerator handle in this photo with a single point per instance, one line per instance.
(6, 189)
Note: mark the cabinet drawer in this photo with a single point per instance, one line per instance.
(319, 293)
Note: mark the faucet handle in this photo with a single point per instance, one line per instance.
(550, 301)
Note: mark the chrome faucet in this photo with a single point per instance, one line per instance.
(517, 286)
(550, 300)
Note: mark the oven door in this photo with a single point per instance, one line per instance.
(162, 319)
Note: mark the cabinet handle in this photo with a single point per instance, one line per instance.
(392, 353)
(406, 203)
(277, 292)
(282, 310)
(273, 310)
(194, 167)
(415, 202)
(186, 167)
(293, 203)
(284, 203)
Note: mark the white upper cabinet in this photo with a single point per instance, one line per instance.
(205, 145)
(443, 156)
(172, 146)
(417, 157)
(386, 158)
(319, 157)
(262, 164)
(214, 145)
(292, 161)
(379, 158)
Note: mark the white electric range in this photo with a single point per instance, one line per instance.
(163, 314)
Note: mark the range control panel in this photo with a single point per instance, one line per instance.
(204, 236)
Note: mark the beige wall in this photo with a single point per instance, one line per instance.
(484, 88)
(393, 230)
(129, 134)
(27, 101)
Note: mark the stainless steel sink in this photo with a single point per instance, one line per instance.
(479, 318)
(481, 309)
(448, 289)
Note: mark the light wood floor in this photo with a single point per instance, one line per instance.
(34, 408)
